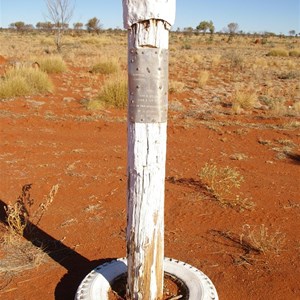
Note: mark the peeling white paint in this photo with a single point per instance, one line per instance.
(135, 11)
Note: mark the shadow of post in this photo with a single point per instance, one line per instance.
(77, 266)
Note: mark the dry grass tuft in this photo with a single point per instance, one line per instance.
(243, 100)
(294, 53)
(19, 254)
(203, 78)
(105, 68)
(114, 93)
(176, 86)
(215, 61)
(52, 64)
(23, 82)
(278, 52)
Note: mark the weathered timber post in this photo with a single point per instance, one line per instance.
(148, 23)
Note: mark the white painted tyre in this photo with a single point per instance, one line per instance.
(96, 285)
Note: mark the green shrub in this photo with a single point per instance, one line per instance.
(52, 64)
(24, 81)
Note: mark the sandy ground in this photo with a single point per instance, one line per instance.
(53, 139)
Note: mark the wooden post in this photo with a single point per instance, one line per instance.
(148, 23)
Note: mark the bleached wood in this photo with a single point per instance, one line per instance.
(135, 11)
(146, 162)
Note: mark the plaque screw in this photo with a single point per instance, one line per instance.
(137, 86)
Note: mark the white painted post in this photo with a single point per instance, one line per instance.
(148, 23)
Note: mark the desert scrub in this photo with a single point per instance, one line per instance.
(24, 81)
(243, 99)
(215, 61)
(202, 78)
(176, 86)
(222, 182)
(47, 41)
(113, 93)
(52, 64)
(278, 52)
(18, 254)
(294, 53)
(262, 239)
(197, 58)
(105, 68)
(19, 215)
(235, 59)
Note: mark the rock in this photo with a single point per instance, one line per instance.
(68, 99)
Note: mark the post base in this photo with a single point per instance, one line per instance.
(97, 284)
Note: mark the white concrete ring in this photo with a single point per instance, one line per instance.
(97, 284)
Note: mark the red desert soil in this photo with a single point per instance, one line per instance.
(53, 139)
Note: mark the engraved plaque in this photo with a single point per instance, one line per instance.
(148, 85)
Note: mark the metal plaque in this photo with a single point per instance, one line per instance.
(148, 85)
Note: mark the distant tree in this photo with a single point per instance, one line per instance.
(45, 26)
(211, 27)
(28, 27)
(292, 32)
(188, 30)
(60, 13)
(38, 25)
(232, 28)
(204, 26)
(93, 25)
(78, 26)
(19, 25)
